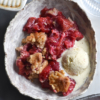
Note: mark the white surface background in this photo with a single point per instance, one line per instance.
(94, 87)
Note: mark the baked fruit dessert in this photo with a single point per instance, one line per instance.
(49, 36)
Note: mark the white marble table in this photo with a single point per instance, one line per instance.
(94, 87)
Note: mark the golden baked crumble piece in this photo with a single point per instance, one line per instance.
(35, 73)
(33, 76)
(53, 11)
(41, 67)
(29, 39)
(41, 38)
(19, 48)
(38, 38)
(44, 52)
(35, 60)
(58, 81)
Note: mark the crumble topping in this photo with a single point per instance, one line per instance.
(37, 65)
(44, 52)
(19, 48)
(58, 81)
(35, 60)
(41, 67)
(32, 76)
(39, 38)
(29, 39)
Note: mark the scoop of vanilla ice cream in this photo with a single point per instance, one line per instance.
(75, 61)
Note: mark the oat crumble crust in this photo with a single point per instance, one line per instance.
(33, 76)
(29, 39)
(41, 38)
(35, 60)
(37, 65)
(44, 52)
(58, 81)
(41, 67)
(38, 38)
(19, 48)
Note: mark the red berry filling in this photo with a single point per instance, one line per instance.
(22, 63)
(43, 77)
(24, 68)
(46, 85)
(61, 32)
(45, 73)
(61, 35)
(34, 49)
(28, 26)
(52, 66)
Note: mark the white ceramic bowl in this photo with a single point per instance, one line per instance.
(14, 35)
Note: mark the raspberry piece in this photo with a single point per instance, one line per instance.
(69, 42)
(63, 24)
(19, 63)
(24, 67)
(28, 26)
(43, 24)
(24, 55)
(74, 33)
(55, 34)
(43, 12)
(71, 87)
(38, 24)
(26, 47)
(79, 35)
(45, 73)
(25, 72)
(61, 39)
(45, 84)
(54, 65)
(34, 49)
